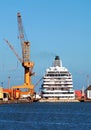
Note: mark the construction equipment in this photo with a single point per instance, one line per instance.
(27, 89)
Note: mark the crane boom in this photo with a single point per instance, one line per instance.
(24, 43)
(20, 28)
(12, 48)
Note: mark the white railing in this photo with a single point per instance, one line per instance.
(59, 95)
(58, 91)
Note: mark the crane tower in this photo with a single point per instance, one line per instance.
(25, 45)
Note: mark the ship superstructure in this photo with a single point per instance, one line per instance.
(57, 82)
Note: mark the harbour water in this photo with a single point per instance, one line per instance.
(46, 116)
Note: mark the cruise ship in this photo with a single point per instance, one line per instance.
(57, 82)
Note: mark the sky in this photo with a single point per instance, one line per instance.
(53, 27)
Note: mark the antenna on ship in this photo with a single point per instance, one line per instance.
(87, 80)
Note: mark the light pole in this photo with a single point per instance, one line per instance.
(9, 82)
(87, 80)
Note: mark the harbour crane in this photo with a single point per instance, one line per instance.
(25, 61)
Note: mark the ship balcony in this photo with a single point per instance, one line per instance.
(45, 86)
(67, 86)
(57, 91)
(67, 80)
(51, 82)
(55, 83)
(56, 79)
(57, 76)
(59, 95)
(46, 80)
(56, 86)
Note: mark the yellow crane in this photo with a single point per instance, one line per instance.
(27, 89)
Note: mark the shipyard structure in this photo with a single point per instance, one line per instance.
(26, 90)
(57, 82)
